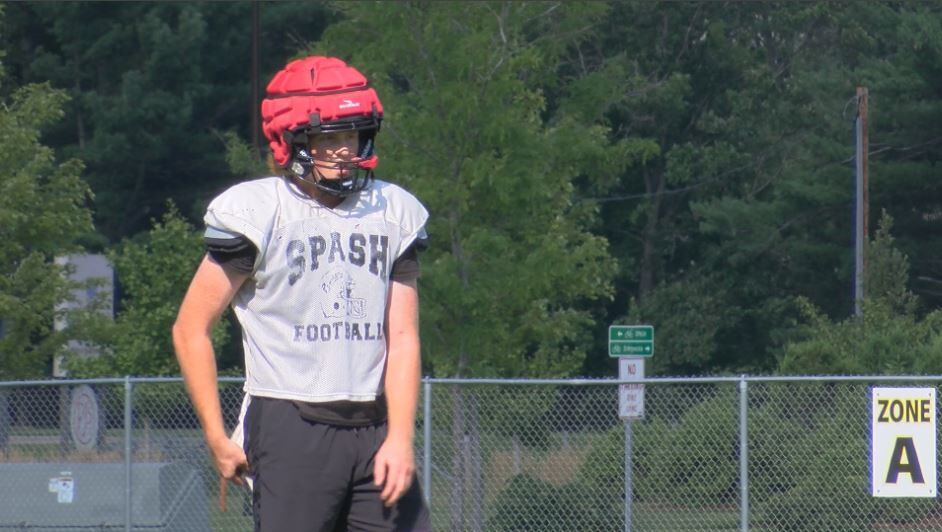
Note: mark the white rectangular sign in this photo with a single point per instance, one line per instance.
(903, 450)
(630, 396)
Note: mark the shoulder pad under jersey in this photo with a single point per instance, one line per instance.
(247, 208)
(404, 210)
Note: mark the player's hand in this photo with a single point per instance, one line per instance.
(394, 469)
(230, 460)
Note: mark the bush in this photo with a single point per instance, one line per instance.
(529, 504)
(154, 271)
(809, 467)
(693, 460)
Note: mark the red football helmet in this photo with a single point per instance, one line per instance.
(321, 95)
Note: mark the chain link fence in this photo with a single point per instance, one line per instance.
(776, 454)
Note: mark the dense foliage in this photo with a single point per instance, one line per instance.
(152, 85)
(683, 164)
(42, 212)
(155, 270)
(513, 262)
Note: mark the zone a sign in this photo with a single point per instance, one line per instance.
(903, 451)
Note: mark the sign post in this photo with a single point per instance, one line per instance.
(632, 344)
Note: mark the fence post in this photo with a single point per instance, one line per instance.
(743, 455)
(427, 442)
(127, 452)
(629, 489)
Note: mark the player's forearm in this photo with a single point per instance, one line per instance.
(403, 371)
(198, 366)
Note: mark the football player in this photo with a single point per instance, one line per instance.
(320, 266)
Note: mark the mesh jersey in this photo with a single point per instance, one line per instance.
(313, 311)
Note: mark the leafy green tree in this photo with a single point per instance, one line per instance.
(745, 204)
(889, 337)
(150, 84)
(514, 272)
(508, 283)
(241, 157)
(154, 271)
(899, 50)
(709, 82)
(43, 209)
(688, 324)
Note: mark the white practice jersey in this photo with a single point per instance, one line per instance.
(313, 312)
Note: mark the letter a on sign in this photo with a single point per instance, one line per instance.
(904, 460)
(903, 445)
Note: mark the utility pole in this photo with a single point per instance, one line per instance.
(863, 200)
(254, 78)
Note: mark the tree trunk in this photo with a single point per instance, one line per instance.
(147, 438)
(459, 429)
(5, 421)
(457, 459)
(476, 463)
(65, 435)
(79, 122)
(654, 185)
(253, 76)
(515, 443)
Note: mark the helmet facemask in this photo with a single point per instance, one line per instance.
(355, 174)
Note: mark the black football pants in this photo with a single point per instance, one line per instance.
(315, 477)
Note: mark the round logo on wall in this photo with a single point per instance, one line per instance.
(83, 418)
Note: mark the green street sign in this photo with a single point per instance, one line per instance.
(631, 341)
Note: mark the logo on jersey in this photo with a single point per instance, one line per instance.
(340, 303)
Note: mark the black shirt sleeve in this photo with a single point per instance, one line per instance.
(406, 267)
(236, 254)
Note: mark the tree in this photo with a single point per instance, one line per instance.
(154, 271)
(151, 83)
(43, 210)
(714, 95)
(888, 337)
(514, 272)
(899, 57)
(513, 268)
(745, 205)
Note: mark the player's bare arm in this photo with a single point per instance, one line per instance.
(395, 462)
(210, 291)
